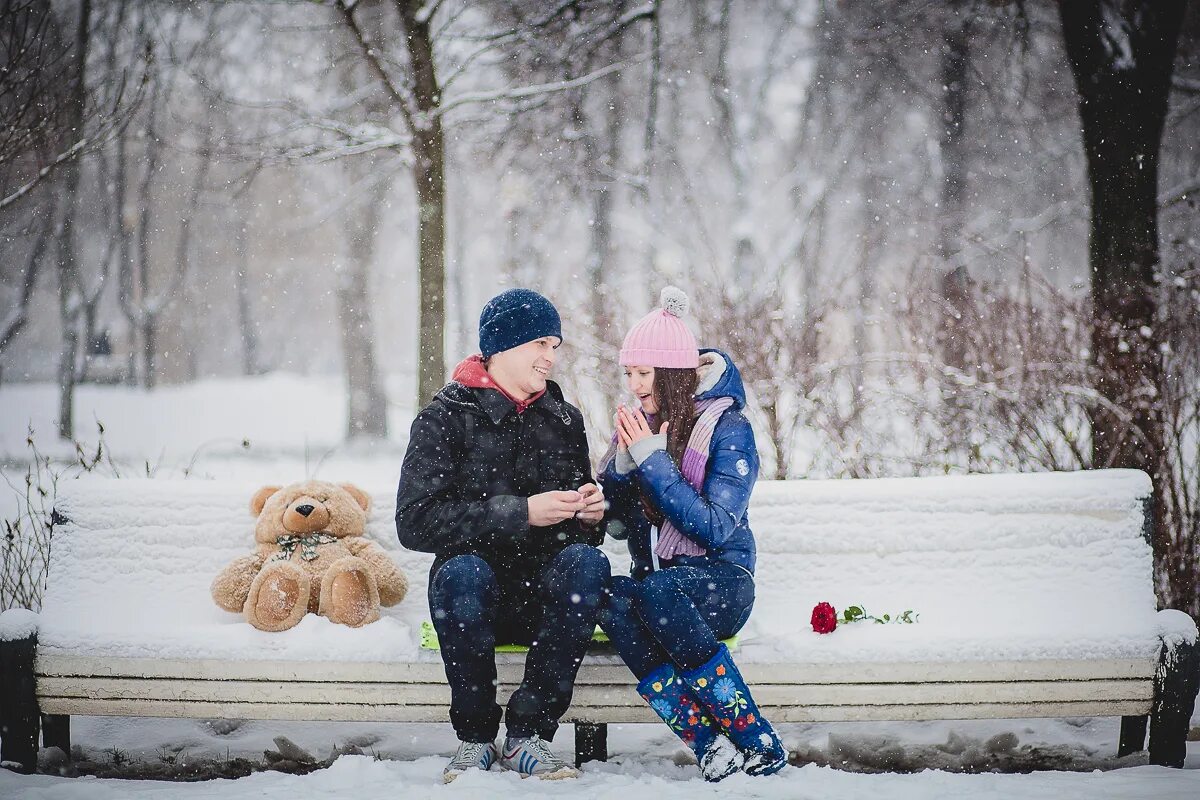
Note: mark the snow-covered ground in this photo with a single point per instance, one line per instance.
(278, 427)
(646, 763)
(200, 429)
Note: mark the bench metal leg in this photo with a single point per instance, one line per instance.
(1175, 685)
(591, 742)
(19, 715)
(1133, 735)
(56, 732)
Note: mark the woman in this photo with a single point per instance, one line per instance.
(679, 496)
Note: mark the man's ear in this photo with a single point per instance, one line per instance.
(359, 495)
(261, 497)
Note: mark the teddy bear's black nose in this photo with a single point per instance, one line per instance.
(304, 510)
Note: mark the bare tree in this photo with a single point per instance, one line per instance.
(247, 326)
(64, 234)
(1122, 55)
(37, 64)
(417, 97)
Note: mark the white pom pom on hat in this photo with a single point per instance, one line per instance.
(661, 338)
(674, 301)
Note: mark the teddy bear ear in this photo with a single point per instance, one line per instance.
(359, 495)
(261, 497)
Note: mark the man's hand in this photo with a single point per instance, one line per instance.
(593, 498)
(551, 508)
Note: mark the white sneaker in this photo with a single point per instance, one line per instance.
(471, 755)
(532, 756)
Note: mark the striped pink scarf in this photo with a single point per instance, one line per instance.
(671, 542)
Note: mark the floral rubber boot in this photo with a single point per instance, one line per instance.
(724, 695)
(670, 698)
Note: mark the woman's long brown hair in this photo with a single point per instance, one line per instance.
(674, 393)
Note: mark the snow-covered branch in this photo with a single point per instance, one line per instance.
(525, 92)
(45, 172)
(369, 49)
(1180, 193)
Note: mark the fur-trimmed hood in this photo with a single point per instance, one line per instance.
(719, 377)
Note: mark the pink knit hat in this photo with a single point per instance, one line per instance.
(661, 339)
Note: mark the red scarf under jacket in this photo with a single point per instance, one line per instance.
(474, 375)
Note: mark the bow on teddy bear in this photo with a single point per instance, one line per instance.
(311, 555)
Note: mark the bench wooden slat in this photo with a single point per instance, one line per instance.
(619, 696)
(579, 713)
(511, 667)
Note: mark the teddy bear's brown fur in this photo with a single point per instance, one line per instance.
(311, 555)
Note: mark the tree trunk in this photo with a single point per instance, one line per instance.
(952, 207)
(247, 327)
(125, 277)
(429, 178)
(953, 143)
(68, 265)
(723, 94)
(19, 316)
(457, 278)
(1122, 55)
(872, 245)
(179, 287)
(366, 401)
(146, 321)
(601, 153)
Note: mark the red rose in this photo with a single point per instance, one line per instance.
(824, 618)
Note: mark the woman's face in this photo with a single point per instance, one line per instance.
(640, 381)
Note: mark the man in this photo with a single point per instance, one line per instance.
(497, 483)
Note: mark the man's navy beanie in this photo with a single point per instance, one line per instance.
(514, 317)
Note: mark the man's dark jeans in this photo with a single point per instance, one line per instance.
(553, 610)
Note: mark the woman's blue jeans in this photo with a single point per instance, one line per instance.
(677, 615)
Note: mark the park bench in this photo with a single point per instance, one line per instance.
(1033, 595)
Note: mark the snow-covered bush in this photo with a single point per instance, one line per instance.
(29, 523)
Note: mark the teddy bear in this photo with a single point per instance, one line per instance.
(311, 555)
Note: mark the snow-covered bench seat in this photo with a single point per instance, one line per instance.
(1034, 593)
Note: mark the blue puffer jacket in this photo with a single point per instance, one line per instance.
(716, 518)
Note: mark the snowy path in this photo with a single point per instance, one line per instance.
(368, 779)
(646, 764)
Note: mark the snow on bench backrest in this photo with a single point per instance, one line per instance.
(1006, 567)
(999, 567)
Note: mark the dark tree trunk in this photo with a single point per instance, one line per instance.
(146, 322)
(952, 206)
(1122, 55)
(430, 180)
(68, 264)
(125, 264)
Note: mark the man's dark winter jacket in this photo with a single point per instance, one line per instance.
(471, 464)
